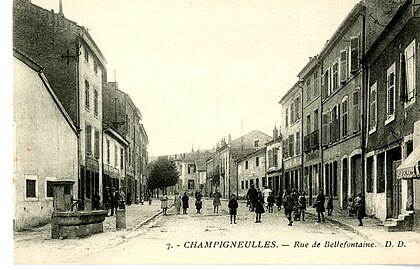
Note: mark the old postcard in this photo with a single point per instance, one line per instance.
(215, 132)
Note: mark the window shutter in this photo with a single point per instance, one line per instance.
(403, 81)
(324, 129)
(329, 81)
(286, 148)
(343, 66)
(354, 54)
(337, 120)
(96, 144)
(373, 110)
(291, 143)
(323, 89)
(356, 111)
(88, 141)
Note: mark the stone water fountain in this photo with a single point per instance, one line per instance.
(67, 223)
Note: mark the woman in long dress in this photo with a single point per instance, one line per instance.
(164, 203)
(177, 203)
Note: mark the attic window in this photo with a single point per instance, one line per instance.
(256, 143)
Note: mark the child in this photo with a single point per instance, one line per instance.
(259, 207)
(198, 204)
(351, 207)
(270, 202)
(233, 208)
(330, 205)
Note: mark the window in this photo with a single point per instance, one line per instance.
(251, 182)
(121, 158)
(308, 90)
(354, 54)
(316, 119)
(256, 143)
(286, 118)
(390, 94)
(108, 152)
(380, 178)
(333, 124)
(331, 119)
(95, 101)
(257, 161)
(308, 124)
(96, 150)
(316, 83)
(297, 143)
(246, 184)
(344, 117)
(49, 187)
(292, 114)
(329, 84)
(246, 165)
(95, 67)
(297, 105)
(190, 184)
(88, 139)
(242, 184)
(325, 121)
(343, 66)
(370, 174)
(373, 107)
(86, 54)
(356, 111)
(31, 186)
(291, 143)
(285, 148)
(334, 77)
(410, 70)
(116, 155)
(257, 183)
(87, 95)
(270, 158)
(275, 156)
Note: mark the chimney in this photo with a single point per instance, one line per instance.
(229, 138)
(61, 7)
(275, 133)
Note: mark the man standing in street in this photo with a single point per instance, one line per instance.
(252, 196)
(288, 203)
(216, 201)
(359, 206)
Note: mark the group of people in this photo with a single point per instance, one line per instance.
(113, 199)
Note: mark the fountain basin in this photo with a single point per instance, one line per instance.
(69, 224)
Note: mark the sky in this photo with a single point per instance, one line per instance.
(200, 70)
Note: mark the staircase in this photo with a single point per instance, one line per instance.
(403, 223)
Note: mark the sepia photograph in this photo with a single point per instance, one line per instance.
(214, 132)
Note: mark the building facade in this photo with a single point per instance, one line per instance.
(75, 68)
(40, 156)
(392, 113)
(251, 171)
(273, 164)
(292, 137)
(310, 80)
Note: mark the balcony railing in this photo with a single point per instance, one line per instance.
(311, 141)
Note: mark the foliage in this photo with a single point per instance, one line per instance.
(163, 174)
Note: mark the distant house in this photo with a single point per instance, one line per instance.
(251, 171)
(45, 144)
(273, 163)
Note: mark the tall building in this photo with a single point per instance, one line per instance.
(273, 163)
(76, 70)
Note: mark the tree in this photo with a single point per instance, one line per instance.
(163, 174)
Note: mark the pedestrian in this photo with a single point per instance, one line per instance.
(177, 203)
(350, 207)
(121, 199)
(107, 200)
(233, 208)
(149, 197)
(330, 205)
(164, 203)
(302, 204)
(198, 204)
(185, 205)
(251, 196)
(320, 205)
(359, 206)
(296, 210)
(279, 200)
(288, 203)
(270, 202)
(216, 201)
(259, 208)
(266, 192)
(114, 200)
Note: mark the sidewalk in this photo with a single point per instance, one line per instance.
(136, 214)
(372, 228)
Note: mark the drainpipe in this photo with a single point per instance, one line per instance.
(364, 102)
(79, 158)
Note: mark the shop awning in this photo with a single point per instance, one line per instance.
(410, 167)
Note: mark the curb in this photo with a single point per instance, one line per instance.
(348, 228)
(144, 222)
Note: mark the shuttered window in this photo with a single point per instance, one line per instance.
(291, 145)
(270, 158)
(316, 84)
(334, 77)
(344, 117)
(275, 156)
(356, 110)
(316, 119)
(297, 143)
(410, 68)
(292, 113)
(323, 87)
(96, 144)
(354, 53)
(343, 66)
(286, 148)
(308, 90)
(373, 107)
(297, 105)
(286, 117)
(325, 128)
(88, 141)
(333, 124)
(390, 95)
